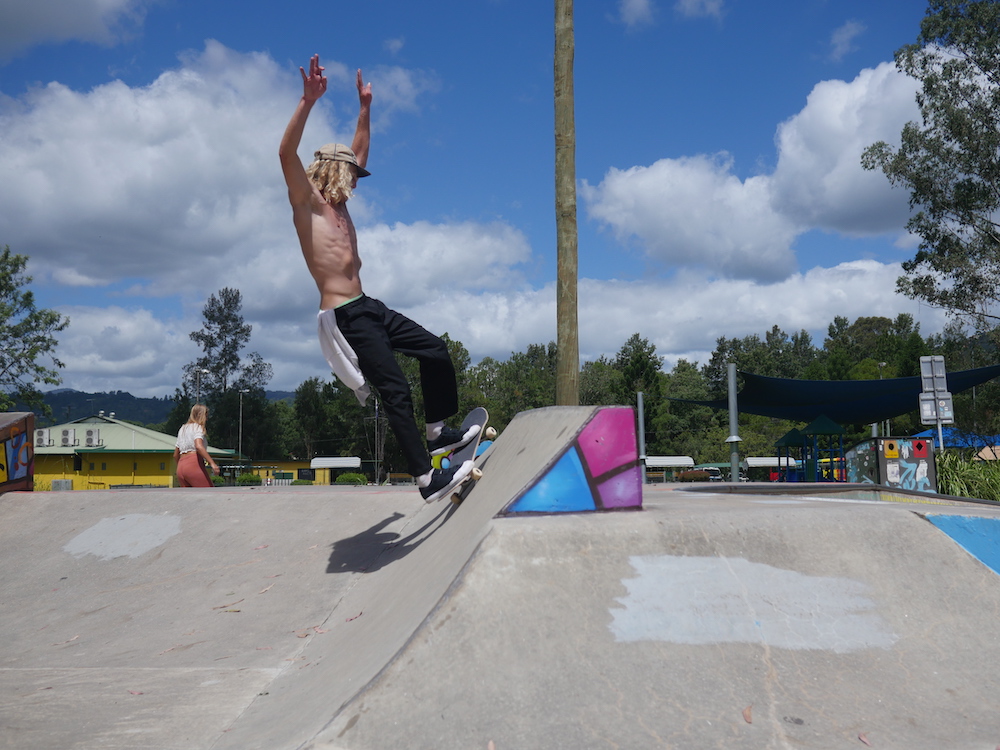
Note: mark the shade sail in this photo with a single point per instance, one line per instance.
(843, 401)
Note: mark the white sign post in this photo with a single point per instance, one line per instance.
(935, 401)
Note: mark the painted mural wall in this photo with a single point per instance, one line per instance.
(17, 451)
(598, 470)
(898, 462)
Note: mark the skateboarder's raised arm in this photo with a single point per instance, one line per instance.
(313, 87)
(363, 132)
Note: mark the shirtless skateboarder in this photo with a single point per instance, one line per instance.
(329, 243)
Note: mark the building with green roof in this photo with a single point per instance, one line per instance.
(99, 452)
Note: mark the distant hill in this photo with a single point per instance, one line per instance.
(67, 405)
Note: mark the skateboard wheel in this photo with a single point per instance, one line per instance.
(456, 498)
(476, 474)
(491, 433)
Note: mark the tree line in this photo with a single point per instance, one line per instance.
(325, 418)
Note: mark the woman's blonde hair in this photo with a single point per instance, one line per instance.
(332, 178)
(199, 415)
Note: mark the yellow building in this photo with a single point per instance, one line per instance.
(98, 452)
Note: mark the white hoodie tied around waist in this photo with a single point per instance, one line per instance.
(340, 356)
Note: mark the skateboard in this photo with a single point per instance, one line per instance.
(470, 451)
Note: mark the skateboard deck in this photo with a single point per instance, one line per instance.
(468, 452)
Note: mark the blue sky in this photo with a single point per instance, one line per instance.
(718, 147)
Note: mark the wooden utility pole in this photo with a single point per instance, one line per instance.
(567, 325)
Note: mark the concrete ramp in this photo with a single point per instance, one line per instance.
(707, 621)
(243, 618)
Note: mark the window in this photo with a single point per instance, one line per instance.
(91, 465)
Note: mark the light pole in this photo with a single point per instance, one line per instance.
(197, 378)
(242, 391)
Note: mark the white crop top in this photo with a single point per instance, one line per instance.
(187, 435)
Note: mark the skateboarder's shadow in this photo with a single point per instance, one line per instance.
(374, 548)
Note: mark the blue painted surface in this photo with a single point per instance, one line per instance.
(980, 537)
(563, 489)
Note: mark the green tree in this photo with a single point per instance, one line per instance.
(686, 429)
(219, 375)
(950, 161)
(601, 383)
(180, 413)
(28, 336)
(525, 381)
(330, 421)
(246, 417)
(222, 338)
(639, 365)
(977, 410)
(778, 355)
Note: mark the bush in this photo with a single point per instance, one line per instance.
(961, 474)
(352, 478)
(246, 480)
(218, 481)
(301, 482)
(695, 475)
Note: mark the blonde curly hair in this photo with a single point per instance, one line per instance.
(333, 179)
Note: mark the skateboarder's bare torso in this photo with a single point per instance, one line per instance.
(330, 248)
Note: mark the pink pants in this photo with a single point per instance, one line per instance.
(191, 471)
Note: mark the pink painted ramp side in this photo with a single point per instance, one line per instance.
(608, 441)
(598, 469)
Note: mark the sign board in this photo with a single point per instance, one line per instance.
(936, 406)
(932, 374)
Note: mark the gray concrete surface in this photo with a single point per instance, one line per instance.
(157, 618)
(824, 620)
(242, 618)
(356, 618)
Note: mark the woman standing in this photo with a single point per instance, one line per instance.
(191, 450)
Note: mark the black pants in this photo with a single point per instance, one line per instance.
(375, 332)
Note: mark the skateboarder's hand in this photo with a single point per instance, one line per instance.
(364, 91)
(314, 84)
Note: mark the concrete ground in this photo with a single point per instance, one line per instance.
(356, 618)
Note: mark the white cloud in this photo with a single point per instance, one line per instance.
(635, 12)
(26, 23)
(819, 181)
(398, 90)
(416, 263)
(153, 181)
(686, 315)
(177, 181)
(842, 40)
(143, 354)
(700, 8)
(394, 46)
(129, 347)
(175, 189)
(694, 211)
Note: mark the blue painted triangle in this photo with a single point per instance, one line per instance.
(980, 536)
(563, 489)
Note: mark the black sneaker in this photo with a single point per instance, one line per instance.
(444, 481)
(451, 439)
